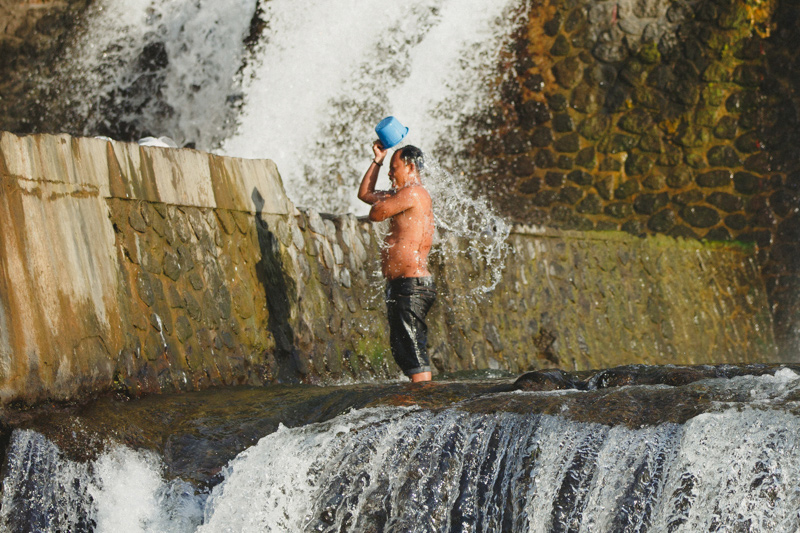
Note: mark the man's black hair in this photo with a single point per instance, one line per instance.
(412, 154)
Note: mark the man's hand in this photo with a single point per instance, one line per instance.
(379, 151)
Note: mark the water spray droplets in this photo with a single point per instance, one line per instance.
(461, 217)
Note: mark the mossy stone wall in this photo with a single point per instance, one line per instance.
(666, 117)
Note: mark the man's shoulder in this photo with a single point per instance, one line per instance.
(416, 190)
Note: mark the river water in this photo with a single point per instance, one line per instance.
(705, 454)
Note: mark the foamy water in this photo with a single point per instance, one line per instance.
(408, 469)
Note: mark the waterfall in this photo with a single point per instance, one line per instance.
(302, 84)
(456, 468)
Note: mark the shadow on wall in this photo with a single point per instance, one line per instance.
(280, 291)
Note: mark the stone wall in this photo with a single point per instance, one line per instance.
(146, 269)
(671, 117)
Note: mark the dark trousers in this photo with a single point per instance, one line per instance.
(408, 301)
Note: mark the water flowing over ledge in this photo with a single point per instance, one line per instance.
(448, 456)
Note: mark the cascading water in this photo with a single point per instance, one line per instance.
(496, 462)
(316, 79)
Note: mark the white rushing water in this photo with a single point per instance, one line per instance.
(407, 469)
(167, 67)
(308, 93)
(317, 78)
(327, 71)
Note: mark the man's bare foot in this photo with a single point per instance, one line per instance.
(422, 376)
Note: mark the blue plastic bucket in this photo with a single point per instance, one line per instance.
(390, 132)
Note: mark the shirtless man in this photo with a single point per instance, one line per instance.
(410, 291)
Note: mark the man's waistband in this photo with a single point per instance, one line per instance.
(425, 281)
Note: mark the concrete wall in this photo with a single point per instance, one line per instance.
(147, 269)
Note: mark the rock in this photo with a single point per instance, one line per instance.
(568, 143)
(700, 216)
(546, 380)
(747, 183)
(662, 222)
(725, 201)
(638, 164)
(568, 72)
(563, 123)
(723, 156)
(647, 204)
(715, 178)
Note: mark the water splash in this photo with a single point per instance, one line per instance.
(139, 67)
(326, 72)
(466, 225)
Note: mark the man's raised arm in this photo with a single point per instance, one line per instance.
(366, 191)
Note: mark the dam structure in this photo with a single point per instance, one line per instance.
(144, 269)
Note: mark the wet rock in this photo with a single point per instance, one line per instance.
(515, 142)
(759, 163)
(593, 127)
(726, 128)
(586, 158)
(700, 216)
(560, 46)
(609, 50)
(523, 166)
(723, 156)
(679, 177)
(662, 222)
(651, 143)
(715, 178)
(586, 99)
(554, 179)
(552, 26)
(749, 143)
(568, 72)
(736, 221)
(530, 186)
(563, 123)
(535, 83)
(570, 195)
(567, 143)
(638, 164)
(546, 380)
(648, 204)
(626, 189)
(557, 102)
(655, 182)
(565, 162)
(618, 209)
(544, 159)
(580, 177)
(619, 142)
(541, 137)
(718, 235)
(545, 198)
(747, 183)
(692, 196)
(590, 205)
(725, 201)
(534, 113)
